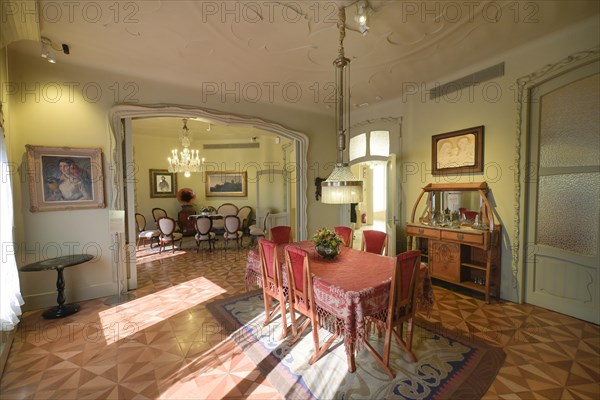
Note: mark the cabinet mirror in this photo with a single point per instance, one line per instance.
(453, 206)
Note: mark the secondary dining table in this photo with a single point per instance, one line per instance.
(353, 286)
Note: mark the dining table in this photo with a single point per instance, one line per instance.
(347, 290)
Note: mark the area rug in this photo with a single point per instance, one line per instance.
(449, 366)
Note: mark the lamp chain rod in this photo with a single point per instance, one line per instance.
(341, 63)
(342, 28)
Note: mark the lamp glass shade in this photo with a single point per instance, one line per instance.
(342, 187)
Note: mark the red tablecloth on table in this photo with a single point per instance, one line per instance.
(349, 288)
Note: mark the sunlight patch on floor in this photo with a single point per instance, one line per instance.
(129, 318)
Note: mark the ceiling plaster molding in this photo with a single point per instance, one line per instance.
(394, 120)
(524, 86)
(121, 112)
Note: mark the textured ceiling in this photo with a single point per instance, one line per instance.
(282, 51)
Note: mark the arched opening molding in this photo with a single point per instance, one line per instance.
(121, 151)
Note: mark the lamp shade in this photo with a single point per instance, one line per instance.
(342, 187)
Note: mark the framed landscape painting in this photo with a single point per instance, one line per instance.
(64, 178)
(226, 184)
(457, 152)
(163, 183)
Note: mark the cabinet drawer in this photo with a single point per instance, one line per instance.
(422, 231)
(465, 237)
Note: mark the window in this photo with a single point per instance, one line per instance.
(373, 145)
(380, 143)
(358, 146)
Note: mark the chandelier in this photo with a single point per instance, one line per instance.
(342, 187)
(186, 161)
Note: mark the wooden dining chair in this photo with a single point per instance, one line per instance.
(203, 227)
(374, 242)
(281, 234)
(158, 213)
(259, 231)
(401, 308)
(144, 236)
(272, 282)
(167, 226)
(346, 233)
(301, 299)
(232, 231)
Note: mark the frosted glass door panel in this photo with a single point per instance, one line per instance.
(569, 205)
(569, 125)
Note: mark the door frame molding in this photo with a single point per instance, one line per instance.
(525, 85)
(121, 113)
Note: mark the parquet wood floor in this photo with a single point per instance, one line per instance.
(166, 345)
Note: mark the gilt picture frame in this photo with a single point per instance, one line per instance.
(65, 178)
(457, 152)
(162, 183)
(226, 184)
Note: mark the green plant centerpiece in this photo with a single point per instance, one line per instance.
(327, 243)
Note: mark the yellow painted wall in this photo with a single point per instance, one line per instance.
(151, 152)
(61, 105)
(493, 105)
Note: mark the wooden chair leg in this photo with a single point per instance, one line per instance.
(267, 300)
(284, 331)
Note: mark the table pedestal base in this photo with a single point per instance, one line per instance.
(61, 311)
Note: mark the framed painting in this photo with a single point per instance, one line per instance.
(457, 152)
(65, 178)
(163, 183)
(226, 184)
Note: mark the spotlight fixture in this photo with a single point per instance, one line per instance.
(361, 16)
(49, 47)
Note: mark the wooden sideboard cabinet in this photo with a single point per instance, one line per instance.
(457, 236)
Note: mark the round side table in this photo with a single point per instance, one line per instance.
(58, 264)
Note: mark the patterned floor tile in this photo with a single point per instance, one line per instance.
(166, 345)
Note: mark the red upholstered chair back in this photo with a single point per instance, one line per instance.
(346, 233)
(404, 284)
(281, 234)
(267, 250)
(374, 242)
(296, 263)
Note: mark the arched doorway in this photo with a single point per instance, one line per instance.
(121, 161)
(373, 148)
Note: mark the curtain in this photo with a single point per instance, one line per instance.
(10, 292)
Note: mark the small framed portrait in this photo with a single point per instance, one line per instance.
(65, 178)
(457, 152)
(226, 184)
(163, 183)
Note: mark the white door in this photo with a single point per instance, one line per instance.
(562, 262)
(391, 207)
